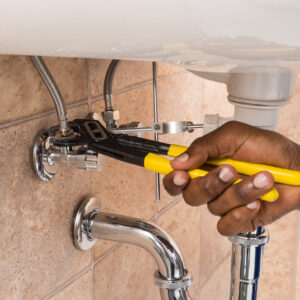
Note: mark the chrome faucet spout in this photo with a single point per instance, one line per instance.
(172, 277)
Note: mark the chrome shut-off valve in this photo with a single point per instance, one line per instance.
(48, 154)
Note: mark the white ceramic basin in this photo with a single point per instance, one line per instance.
(207, 35)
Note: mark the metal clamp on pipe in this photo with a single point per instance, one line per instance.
(158, 127)
(91, 224)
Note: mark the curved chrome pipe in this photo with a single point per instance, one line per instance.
(172, 276)
(146, 235)
(54, 91)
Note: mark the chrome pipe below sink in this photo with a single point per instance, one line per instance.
(172, 277)
(247, 252)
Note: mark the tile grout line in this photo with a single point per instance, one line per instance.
(168, 207)
(107, 253)
(295, 258)
(83, 272)
(139, 85)
(69, 282)
(214, 270)
(41, 115)
(147, 82)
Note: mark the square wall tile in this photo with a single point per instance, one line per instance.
(183, 224)
(127, 273)
(36, 217)
(78, 290)
(23, 92)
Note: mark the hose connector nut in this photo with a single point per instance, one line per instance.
(110, 115)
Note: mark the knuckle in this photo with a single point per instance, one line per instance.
(209, 187)
(240, 192)
(212, 208)
(169, 187)
(231, 125)
(196, 142)
(194, 193)
(237, 216)
(192, 198)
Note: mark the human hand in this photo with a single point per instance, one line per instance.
(237, 205)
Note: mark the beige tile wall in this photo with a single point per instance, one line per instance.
(37, 256)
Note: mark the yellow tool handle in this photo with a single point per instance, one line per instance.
(280, 175)
(162, 165)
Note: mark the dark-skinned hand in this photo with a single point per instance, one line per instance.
(238, 205)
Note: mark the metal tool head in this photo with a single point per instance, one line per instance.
(92, 135)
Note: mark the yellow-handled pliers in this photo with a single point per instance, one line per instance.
(90, 134)
(161, 165)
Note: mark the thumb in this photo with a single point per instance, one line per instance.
(195, 156)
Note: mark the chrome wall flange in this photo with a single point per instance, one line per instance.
(82, 223)
(42, 166)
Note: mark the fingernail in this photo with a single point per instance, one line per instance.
(226, 174)
(182, 158)
(252, 205)
(179, 180)
(261, 181)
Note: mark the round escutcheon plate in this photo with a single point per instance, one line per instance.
(41, 166)
(81, 239)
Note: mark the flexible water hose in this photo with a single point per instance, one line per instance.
(54, 91)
